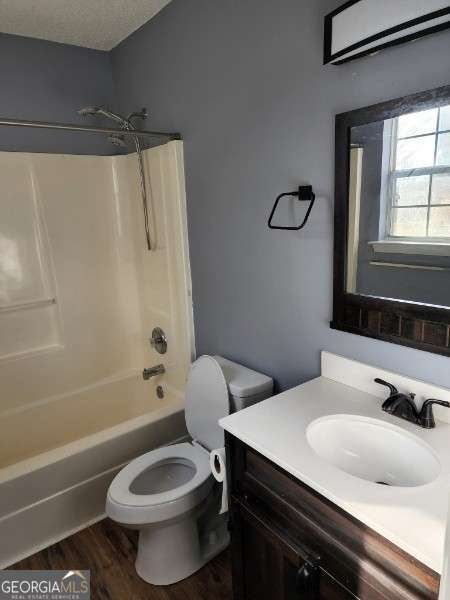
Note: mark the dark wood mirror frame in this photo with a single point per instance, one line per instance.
(421, 326)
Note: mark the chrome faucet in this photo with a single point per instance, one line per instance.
(403, 406)
(153, 371)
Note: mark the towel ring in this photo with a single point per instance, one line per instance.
(303, 194)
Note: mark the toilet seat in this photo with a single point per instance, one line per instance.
(207, 401)
(129, 507)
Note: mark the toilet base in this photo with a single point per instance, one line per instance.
(170, 553)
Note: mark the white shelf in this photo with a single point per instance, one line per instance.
(26, 305)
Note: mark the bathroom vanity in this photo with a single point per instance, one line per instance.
(290, 542)
(303, 527)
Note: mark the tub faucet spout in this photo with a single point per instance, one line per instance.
(153, 371)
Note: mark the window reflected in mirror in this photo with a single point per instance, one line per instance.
(398, 238)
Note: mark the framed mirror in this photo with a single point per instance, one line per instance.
(392, 221)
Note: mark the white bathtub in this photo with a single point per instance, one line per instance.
(57, 458)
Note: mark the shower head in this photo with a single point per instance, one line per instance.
(88, 111)
(91, 111)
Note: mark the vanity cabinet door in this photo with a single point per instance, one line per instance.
(267, 566)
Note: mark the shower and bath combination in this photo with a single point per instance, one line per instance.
(79, 294)
(126, 124)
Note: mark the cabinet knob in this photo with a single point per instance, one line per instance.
(308, 581)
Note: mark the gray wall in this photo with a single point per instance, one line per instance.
(245, 84)
(46, 81)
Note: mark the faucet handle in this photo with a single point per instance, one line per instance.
(391, 387)
(426, 417)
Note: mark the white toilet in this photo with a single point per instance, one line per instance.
(169, 494)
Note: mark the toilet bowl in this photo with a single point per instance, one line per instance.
(169, 494)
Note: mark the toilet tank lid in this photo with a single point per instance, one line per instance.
(244, 382)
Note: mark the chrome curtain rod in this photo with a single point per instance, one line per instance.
(88, 128)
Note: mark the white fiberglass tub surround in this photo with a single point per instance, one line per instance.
(79, 297)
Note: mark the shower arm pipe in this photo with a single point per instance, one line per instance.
(87, 128)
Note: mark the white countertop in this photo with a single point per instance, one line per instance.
(413, 518)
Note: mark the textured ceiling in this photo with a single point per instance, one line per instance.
(99, 24)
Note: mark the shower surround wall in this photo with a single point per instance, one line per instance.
(110, 291)
(245, 84)
(73, 197)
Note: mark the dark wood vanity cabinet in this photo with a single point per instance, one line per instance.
(290, 543)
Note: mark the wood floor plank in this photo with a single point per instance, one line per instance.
(109, 551)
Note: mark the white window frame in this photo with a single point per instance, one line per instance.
(399, 173)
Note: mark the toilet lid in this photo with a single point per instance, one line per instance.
(206, 402)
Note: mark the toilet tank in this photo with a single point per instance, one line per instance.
(245, 386)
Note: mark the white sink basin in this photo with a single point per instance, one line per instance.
(373, 450)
